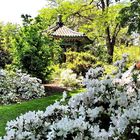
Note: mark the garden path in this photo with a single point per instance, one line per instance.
(53, 88)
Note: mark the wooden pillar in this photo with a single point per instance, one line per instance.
(63, 56)
(78, 46)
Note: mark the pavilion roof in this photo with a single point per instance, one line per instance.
(59, 30)
(64, 31)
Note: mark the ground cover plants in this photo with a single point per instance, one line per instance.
(132, 51)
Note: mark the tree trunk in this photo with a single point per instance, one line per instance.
(110, 49)
(110, 39)
(110, 43)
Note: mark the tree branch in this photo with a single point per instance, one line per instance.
(115, 34)
(116, 30)
(103, 5)
(107, 3)
(108, 38)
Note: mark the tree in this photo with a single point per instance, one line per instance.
(33, 49)
(5, 58)
(7, 33)
(110, 38)
(97, 18)
(130, 16)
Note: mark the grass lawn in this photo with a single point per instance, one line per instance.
(10, 112)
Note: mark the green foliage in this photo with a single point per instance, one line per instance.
(97, 50)
(36, 62)
(133, 56)
(109, 69)
(5, 58)
(7, 33)
(132, 51)
(68, 9)
(35, 51)
(56, 72)
(80, 62)
(97, 19)
(130, 16)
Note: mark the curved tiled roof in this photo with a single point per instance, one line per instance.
(64, 31)
(60, 31)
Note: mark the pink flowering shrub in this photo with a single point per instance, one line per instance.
(108, 110)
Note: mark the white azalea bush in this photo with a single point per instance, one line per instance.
(108, 110)
(17, 87)
(70, 79)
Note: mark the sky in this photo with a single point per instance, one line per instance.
(11, 10)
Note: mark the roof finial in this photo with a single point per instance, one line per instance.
(59, 20)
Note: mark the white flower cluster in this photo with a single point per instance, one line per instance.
(108, 110)
(21, 86)
(70, 79)
(120, 64)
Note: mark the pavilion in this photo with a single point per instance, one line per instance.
(71, 40)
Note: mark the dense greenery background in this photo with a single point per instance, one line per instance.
(109, 25)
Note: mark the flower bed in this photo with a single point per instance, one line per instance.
(108, 110)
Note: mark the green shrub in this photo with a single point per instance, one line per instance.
(80, 62)
(132, 51)
(37, 62)
(34, 51)
(56, 72)
(4, 58)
